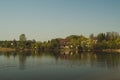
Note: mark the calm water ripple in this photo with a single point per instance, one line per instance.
(57, 66)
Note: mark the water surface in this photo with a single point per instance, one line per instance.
(59, 66)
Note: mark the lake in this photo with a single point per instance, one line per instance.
(59, 66)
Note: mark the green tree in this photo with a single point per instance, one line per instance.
(91, 36)
(22, 37)
(22, 41)
(112, 35)
(55, 44)
(101, 37)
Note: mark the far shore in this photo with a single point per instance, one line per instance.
(111, 50)
(104, 50)
(7, 49)
(12, 49)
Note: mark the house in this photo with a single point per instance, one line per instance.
(64, 43)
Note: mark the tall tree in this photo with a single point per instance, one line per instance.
(101, 37)
(22, 37)
(91, 36)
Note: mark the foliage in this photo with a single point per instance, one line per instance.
(22, 37)
(108, 40)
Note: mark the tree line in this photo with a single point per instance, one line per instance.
(108, 40)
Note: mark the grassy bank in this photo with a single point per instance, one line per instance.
(111, 50)
(7, 49)
(64, 50)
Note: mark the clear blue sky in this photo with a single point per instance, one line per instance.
(47, 19)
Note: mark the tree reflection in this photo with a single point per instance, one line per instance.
(109, 60)
(90, 59)
(22, 59)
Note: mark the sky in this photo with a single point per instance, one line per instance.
(43, 20)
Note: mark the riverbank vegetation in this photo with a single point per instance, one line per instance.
(109, 41)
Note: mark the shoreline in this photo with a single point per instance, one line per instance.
(104, 50)
(111, 50)
(7, 49)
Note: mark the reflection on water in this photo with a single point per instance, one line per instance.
(60, 64)
(109, 60)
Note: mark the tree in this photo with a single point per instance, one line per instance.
(101, 37)
(91, 36)
(22, 41)
(22, 37)
(55, 44)
(112, 35)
